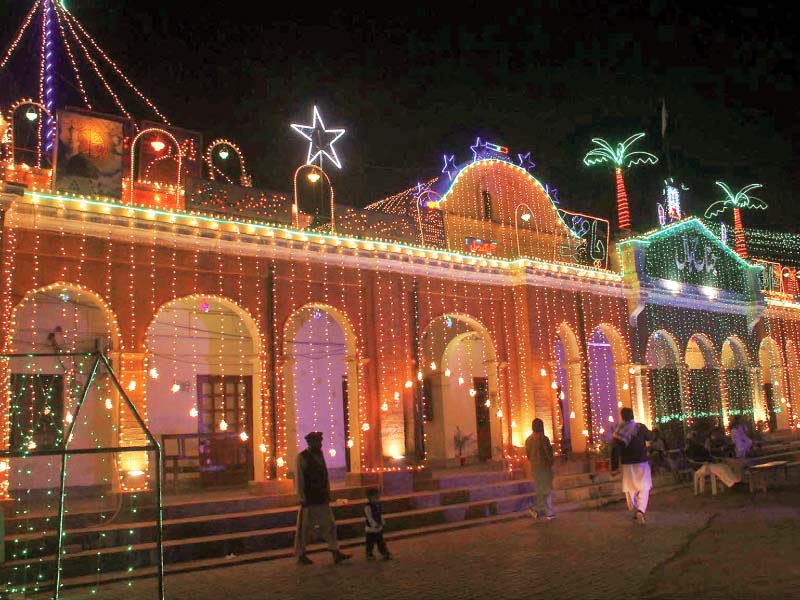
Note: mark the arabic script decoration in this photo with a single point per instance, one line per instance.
(589, 246)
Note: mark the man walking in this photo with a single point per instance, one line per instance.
(540, 456)
(630, 441)
(314, 492)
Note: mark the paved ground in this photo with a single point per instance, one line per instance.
(734, 545)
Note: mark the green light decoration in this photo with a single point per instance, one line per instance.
(739, 200)
(620, 157)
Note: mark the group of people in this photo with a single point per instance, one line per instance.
(630, 455)
(629, 452)
(313, 489)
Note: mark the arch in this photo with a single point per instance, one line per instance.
(203, 372)
(296, 206)
(11, 133)
(133, 153)
(42, 393)
(244, 178)
(664, 385)
(702, 375)
(737, 385)
(116, 342)
(568, 372)
(457, 393)
(355, 420)
(773, 384)
(608, 378)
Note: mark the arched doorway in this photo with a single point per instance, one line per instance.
(736, 378)
(204, 386)
(569, 392)
(664, 376)
(44, 391)
(321, 387)
(602, 385)
(704, 407)
(773, 383)
(459, 378)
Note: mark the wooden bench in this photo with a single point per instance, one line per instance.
(181, 454)
(758, 475)
(220, 458)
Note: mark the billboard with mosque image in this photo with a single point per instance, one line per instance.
(90, 155)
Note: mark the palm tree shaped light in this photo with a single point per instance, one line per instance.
(621, 157)
(739, 200)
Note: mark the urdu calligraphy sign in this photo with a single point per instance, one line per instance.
(689, 253)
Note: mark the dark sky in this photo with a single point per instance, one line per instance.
(411, 86)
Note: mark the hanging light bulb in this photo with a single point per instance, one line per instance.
(243, 436)
(602, 430)
(109, 404)
(543, 372)
(3, 466)
(460, 381)
(350, 443)
(499, 413)
(385, 406)
(631, 370)
(262, 448)
(619, 404)
(525, 217)
(447, 372)
(365, 427)
(154, 373)
(223, 425)
(625, 386)
(68, 418)
(31, 445)
(409, 384)
(132, 385)
(419, 375)
(31, 114)
(332, 452)
(554, 385)
(397, 395)
(223, 153)
(157, 145)
(176, 387)
(488, 403)
(562, 396)
(472, 392)
(513, 422)
(280, 462)
(193, 412)
(610, 419)
(433, 365)
(313, 177)
(46, 410)
(572, 414)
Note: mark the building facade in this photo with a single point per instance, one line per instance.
(464, 307)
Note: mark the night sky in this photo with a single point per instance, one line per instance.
(410, 87)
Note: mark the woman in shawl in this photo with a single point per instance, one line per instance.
(540, 455)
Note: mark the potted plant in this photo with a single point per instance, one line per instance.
(460, 441)
(602, 461)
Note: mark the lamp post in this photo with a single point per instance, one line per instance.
(32, 114)
(314, 174)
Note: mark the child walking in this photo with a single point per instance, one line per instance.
(373, 512)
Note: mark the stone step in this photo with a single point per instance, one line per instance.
(123, 546)
(238, 559)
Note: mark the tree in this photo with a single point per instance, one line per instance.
(739, 200)
(620, 157)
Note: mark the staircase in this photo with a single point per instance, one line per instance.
(201, 533)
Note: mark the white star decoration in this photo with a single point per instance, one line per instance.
(321, 140)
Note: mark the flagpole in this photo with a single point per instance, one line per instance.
(664, 142)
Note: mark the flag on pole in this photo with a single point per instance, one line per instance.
(663, 117)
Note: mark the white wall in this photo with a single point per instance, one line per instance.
(83, 323)
(185, 342)
(319, 352)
